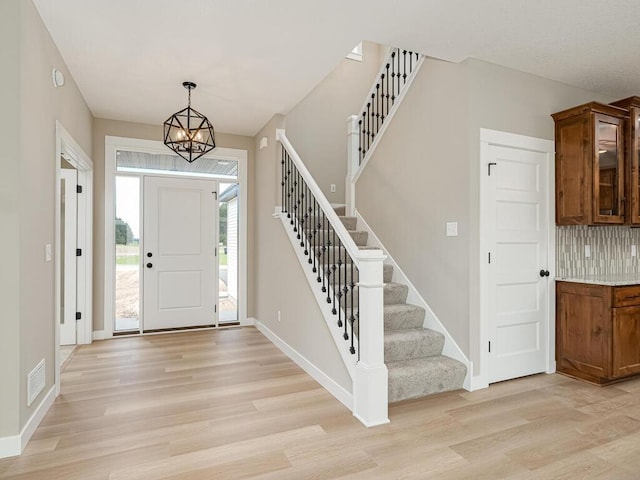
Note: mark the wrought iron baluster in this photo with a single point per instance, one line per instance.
(410, 62)
(303, 217)
(333, 270)
(384, 112)
(353, 308)
(315, 234)
(393, 77)
(404, 69)
(377, 108)
(325, 255)
(373, 118)
(387, 76)
(361, 142)
(282, 182)
(339, 292)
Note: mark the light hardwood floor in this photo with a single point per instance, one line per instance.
(227, 404)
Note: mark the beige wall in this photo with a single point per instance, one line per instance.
(41, 104)
(9, 216)
(426, 173)
(416, 182)
(279, 280)
(317, 126)
(115, 128)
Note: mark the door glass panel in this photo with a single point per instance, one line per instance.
(608, 173)
(228, 252)
(127, 232)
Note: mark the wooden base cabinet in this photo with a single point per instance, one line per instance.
(597, 331)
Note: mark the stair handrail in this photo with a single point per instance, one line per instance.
(380, 105)
(348, 242)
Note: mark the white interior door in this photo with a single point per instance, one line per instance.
(179, 243)
(68, 262)
(518, 303)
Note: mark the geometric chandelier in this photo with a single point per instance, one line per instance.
(188, 132)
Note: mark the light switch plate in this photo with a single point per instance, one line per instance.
(452, 229)
(333, 188)
(48, 252)
(634, 250)
(587, 251)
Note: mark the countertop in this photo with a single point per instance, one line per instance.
(609, 279)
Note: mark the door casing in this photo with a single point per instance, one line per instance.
(510, 140)
(68, 148)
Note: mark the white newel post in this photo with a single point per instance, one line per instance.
(353, 163)
(370, 385)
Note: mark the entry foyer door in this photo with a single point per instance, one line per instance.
(179, 248)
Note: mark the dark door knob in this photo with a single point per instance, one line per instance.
(544, 273)
(149, 265)
(149, 254)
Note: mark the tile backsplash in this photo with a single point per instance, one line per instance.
(610, 250)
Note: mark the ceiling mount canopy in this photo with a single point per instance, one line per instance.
(188, 132)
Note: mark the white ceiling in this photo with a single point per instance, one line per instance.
(255, 58)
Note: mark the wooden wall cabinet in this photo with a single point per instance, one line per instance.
(590, 176)
(597, 331)
(632, 154)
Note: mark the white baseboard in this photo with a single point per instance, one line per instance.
(98, 335)
(342, 395)
(250, 321)
(478, 382)
(14, 445)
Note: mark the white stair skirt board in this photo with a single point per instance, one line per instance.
(431, 321)
(342, 395)
(14, 445)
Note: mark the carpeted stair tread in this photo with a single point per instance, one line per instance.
(395, 293)
(403, 315)
(419, 377)
(350, 223)
(360, 237)
(411, 343)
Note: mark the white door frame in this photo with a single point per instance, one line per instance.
(112, 145)
(68, 148)
(490, 138)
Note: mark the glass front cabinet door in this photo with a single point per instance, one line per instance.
(632, 148)
(590, 174)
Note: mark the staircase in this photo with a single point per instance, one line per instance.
(412, 354)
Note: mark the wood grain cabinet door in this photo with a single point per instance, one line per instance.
(583, 330)
(626, 341)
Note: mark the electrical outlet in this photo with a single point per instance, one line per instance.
(634, 250)
(452, 229)
(333, 188)
(587, 251)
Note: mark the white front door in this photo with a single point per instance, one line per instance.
(68, 245)
(518, 236)
(179, 264)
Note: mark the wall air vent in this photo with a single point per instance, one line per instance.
(35, 382)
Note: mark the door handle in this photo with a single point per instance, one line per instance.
(149, 265)
(544, 273)
(149, 254)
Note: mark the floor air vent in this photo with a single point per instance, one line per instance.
(35, 382)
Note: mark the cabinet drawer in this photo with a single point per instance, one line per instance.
(626, 296)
